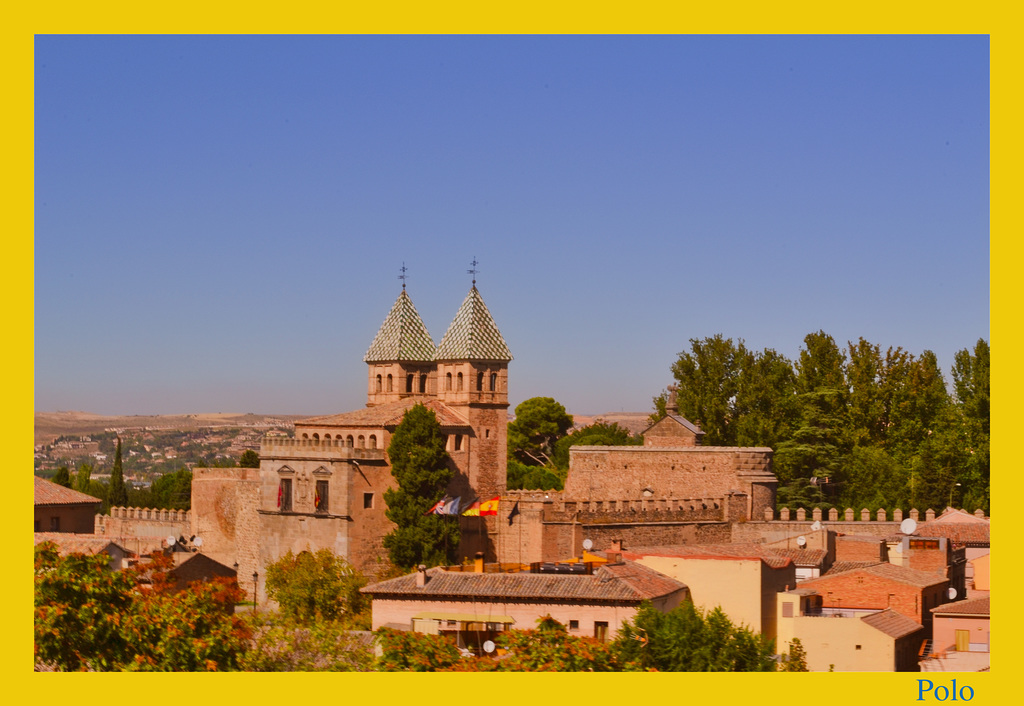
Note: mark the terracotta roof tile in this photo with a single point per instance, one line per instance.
(972, 606)
(841, 566)
(49, 493)
(473, 335)
(892, 623)
(628, 582)
(402, 336)
(387, 415)
(892, 572)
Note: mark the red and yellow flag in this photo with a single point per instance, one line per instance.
(490, 507)
(473, 511)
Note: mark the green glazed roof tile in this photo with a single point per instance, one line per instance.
(402, 336)
(473, 335)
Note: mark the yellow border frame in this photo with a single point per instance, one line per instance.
(1002, 25)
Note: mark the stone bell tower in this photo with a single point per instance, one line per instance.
(472, 378)
(401, 357)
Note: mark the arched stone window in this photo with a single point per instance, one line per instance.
(305, 436)
(408, 382)
(362, 441)
(448, 382)
(458, 383)
(391, 383)
(479, 382)
(373, 441)
(349, 441)
(327, 437)
(423, 384)
(379, 383)
(494, 382)
(316, 437)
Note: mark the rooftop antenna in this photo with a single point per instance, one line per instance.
(402, 276)
(473, 269)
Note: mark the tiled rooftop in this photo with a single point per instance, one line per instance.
(892, 623)
(473, 335)
(972, 606)
(775, 558)
(892, 572)
(49, 493)
(386, 415)
(402, 336)
(841, 566)
(626, 582)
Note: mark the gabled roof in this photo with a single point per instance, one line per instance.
(387, 415)
(841, 566)
(627, 582)
(892, 623)
(686, 423)
(402, 336)
(972, 606)
(892, 572)
(49, 493)
(473, 335)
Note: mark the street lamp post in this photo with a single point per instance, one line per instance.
(950, 503)
(255, 578)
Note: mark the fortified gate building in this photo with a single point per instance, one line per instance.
(324, 487)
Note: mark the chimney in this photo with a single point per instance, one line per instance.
(616, 545)
(421, 576)
(478, 562)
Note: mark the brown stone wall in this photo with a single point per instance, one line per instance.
(224, 504)
(667, 432)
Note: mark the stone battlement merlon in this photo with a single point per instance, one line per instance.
(849, 515)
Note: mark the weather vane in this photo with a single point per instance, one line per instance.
(402, 276)
(473, 269)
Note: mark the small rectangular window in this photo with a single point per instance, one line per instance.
(787, 610)
(574, 625)
(55, 524)
(458, 442)
(601, 631)
(284, 495)
(367, 501)
(322, 496)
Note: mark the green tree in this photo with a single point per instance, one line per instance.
(686, 640)
(62, 477)
(766, 406)
(519, 476)
(796, 658)
(312, 588)
(249, 459)
(82, 478)
(708, 377)
(540, 422)
(281, 645)
(421, 468)
(117, 493)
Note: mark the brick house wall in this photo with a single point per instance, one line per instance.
(861, 589)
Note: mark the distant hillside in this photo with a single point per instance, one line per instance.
(636, 422)
(50, 425)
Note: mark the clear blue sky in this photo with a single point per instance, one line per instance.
(220, 221)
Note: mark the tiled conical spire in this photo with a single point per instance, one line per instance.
(473, 335)
(402, 336)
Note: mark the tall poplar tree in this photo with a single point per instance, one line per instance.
(117, 495)
(419, 464)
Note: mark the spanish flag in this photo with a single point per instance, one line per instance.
(490, 507)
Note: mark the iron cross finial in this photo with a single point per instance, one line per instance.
(402, 276)
(473, 269)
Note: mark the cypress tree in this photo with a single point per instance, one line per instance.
(63, 477)
(117, 495)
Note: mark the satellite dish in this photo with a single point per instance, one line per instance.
(908, 526)
(198, 541)
(171, 540)
(801, 540)
(588, 544)
(816, 526)
(489, 646)
(951, 593)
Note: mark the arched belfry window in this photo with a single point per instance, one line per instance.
(479, 382)
(349, 441)
(408, 382)
(391, 383)
(494, 382)
(362, 441)
(379, 384)
(423, 384)
(458, 383)
(448, 382)
(373, 441)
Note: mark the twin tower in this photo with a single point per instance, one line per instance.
(464, 379)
